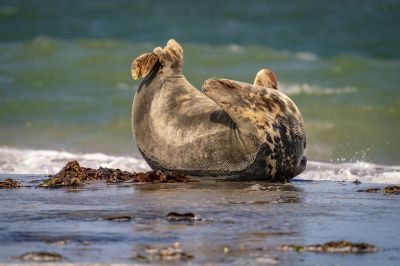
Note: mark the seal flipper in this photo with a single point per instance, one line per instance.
(249, 106)
(143, 64)
(170, 57)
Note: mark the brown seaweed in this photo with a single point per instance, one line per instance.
(171, 253)
(333, 247)
(121, 218)
(9, 183)
(40, 257)
(392, 189)
(369, 190)
(73, 175)
(177, 217)
(386, 190)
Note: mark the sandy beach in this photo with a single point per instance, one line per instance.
(233, 223)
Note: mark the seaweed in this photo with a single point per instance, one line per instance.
(73, 175)
(177, 217)
(333, 247)
(392, 189)
(386, 190)
(171, 253)
(369, 190)
(40, 257)
(121, 218)
(9, 183)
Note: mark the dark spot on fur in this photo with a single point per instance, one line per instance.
(269, 139)
(227, 84)
(279, 103)
(259, 106)
(288, 147)
(269, 167)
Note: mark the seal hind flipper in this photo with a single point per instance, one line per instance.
(143, 64)
(267, 79)
(171, 57)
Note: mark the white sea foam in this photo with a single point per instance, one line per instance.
(307, 56)
(363, 171)
(292, 89)
(18, 161)
(50, 162)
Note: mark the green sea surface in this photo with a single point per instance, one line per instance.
(65, 81)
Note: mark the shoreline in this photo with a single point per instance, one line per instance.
(239, 222)
(30, 161)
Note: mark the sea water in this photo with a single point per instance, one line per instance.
(66, 88)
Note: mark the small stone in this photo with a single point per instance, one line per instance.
(85, 243)
(40, 256)
(58, 243)
(122, 218)
(369, 190)
(174, 217)
(226, 249)
(333, 247)
(169, 253)
(392, 189)
(142, 258)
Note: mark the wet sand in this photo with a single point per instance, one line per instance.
(234, 222)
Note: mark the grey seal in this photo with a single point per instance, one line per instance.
(231, 129)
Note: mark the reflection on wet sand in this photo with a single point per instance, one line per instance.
(204, 222)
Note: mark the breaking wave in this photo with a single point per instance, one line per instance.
(304, 88)
(16, 161)
(26, 161)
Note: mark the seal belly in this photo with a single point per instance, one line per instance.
(195, 140)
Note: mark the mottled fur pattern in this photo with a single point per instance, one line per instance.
(269, 115)
(233, 129)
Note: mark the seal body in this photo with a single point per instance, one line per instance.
(231, 129)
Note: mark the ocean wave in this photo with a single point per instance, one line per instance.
(21, 161)
(292, 89)
(363, 171)
(26, 161)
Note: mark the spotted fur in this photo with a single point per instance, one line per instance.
(269, 115)
(233, 129)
